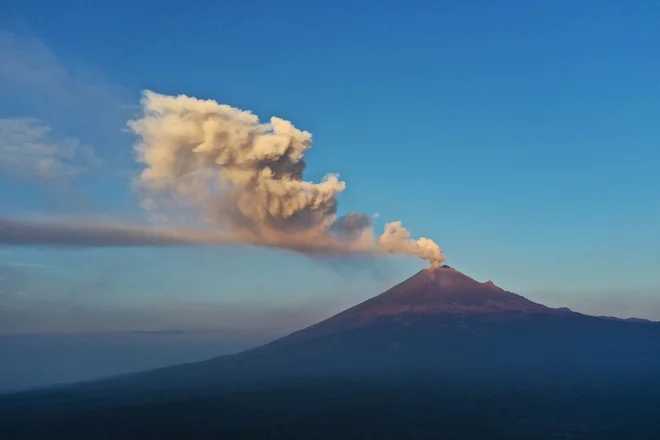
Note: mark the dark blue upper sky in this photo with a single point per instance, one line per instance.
(522, 136)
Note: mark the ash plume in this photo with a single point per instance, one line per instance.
(242, 181)
(246, 177)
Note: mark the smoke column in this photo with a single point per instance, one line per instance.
(244, 178)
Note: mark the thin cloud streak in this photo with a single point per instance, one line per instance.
(26, 265)
(29, 150)
(30, 67)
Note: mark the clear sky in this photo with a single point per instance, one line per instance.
(523, 137)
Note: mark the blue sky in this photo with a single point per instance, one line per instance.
(522, 137)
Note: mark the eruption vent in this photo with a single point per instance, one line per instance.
(245, 178)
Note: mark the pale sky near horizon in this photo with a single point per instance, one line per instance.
(523, 139)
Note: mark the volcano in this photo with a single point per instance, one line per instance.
(442, 319)
(438, 320)
(439, 355)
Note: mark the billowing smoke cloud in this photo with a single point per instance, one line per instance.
(396, 240)
(242, 180)
(245, 178)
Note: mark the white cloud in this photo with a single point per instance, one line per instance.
(29, 61)
(28, 149)
(30, 68)
(35, 81)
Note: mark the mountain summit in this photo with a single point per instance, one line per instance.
(445, 290)
(430, 294)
